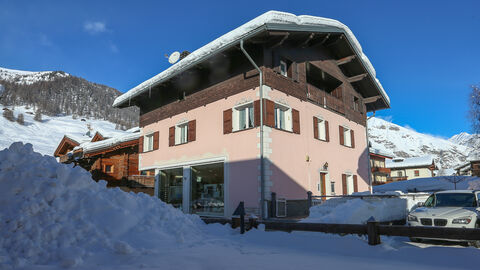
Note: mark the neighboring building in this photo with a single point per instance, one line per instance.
(380, 172)
(471, 167)
(113, 159)
(411, 168)
(200, 118)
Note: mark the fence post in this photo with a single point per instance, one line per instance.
(372, 231)
(273, 206)
(240, 211)
(309, 201)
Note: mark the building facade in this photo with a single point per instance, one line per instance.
(380, 173)
(308, 84)
(411, 168)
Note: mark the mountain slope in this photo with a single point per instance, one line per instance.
(46, 135)
(403, 142)
(57, 92)
(469, 140)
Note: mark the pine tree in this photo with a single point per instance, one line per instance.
(38, 116)
(20, 119)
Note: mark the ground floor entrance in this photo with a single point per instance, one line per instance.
(196, 189)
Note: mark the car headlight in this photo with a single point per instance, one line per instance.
(462, 220)
(412, 218)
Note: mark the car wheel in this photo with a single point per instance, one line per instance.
(477, 242)
(416, 240)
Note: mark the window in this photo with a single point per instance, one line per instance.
(416, 172)
(283, 117)
(323, 81)
(108, 168)
(350, 184)
(322, 132)
(148, 143)
(332, 187)
(356, 104)
(181, 133)
(347, 138)
(283, 68)
(244, 117)
(399, 173)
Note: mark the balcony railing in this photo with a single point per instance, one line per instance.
(381, 170)
(141, 181)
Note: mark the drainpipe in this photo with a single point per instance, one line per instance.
(370, 188)
(262, 167)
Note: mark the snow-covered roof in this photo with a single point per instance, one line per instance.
(380, 152)
(78, 139)
(409, 162)
(271, 20)
(89, 147)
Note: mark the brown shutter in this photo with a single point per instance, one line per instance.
(192, 130)
(327, 132)
(296, 121)
(352, 137)
(171, 136)
(270, 113)
(355, 184)
(340, 130)
(256, 113)
(227, 121)
(295, 71)
(344, 184)
(155, 140)
(140, 144)
(315, 127)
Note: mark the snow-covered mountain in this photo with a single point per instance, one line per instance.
(470, 140)
(46, 135)
(29, 77)
(403, 142)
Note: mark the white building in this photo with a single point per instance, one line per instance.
(411, 168)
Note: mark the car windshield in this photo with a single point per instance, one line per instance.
(455, 200)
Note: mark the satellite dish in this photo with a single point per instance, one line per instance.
(173, 58)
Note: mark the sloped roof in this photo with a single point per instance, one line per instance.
(424, 161)
(271, 20)
(90, 147)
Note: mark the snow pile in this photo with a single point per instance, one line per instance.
(429, 184)
(54, 214)
(358, 211)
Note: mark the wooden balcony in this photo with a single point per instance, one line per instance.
(381, 170)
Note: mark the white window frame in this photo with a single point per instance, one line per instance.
(148, 142)
(332, 187)
(283, 68)
(347, 136)
(287, 112)
(181, 133)
(246, 110)
(322, 130)
(350, 184)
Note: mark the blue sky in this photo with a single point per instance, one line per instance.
(426, 53)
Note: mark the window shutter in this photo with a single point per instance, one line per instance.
(227, 121)
(155, 140)
(327, 133)
(140, 144)
(295, 71)
(256, 113)
(270, 113)
(171, 136)
(355, 184)
(315, 127)
(340, 130)
(296, 121)
(352, 137)
(192, 130)
(344, 184)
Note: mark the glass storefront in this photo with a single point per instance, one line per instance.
(206, 189)
(171, 186)
(205, 185)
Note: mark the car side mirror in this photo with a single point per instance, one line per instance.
(420, 204)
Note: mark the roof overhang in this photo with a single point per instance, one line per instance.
(270, 21)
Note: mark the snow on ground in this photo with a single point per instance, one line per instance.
(46, 135)
(429, 184)
(54, 216)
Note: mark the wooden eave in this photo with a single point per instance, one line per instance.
(65, 144)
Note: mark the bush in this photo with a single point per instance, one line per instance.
(8, 114)
(20, 119)
(38, 116)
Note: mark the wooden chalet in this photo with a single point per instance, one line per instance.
(380, 172)
(113, 159)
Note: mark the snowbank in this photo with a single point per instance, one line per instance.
(54, 214)
(428, 184)
(358, 211)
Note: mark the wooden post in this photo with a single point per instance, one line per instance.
(240, 211)
(372, 232)
(309, 201)
(273, 207)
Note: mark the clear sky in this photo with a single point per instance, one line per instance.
(426, 53)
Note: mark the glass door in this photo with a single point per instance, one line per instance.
(207, 190)
(171, 187)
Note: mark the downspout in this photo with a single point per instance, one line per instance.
(370, 188)
(262, 167)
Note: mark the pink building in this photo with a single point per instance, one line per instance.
(202, 126)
